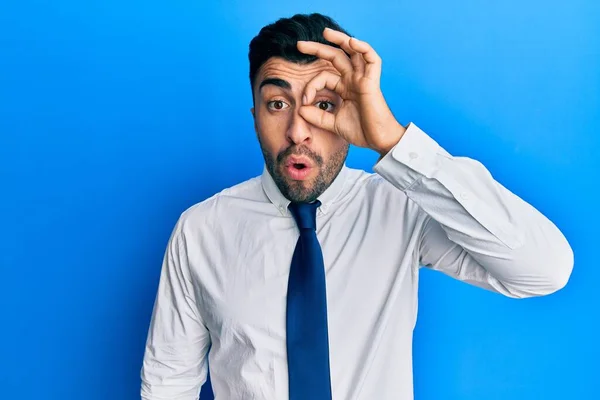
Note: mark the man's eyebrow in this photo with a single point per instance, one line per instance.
(275, 81)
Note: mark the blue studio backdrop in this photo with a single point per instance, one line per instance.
(115, 116)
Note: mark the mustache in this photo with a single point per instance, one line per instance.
(300, 151)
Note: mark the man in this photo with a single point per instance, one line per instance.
(303, 281)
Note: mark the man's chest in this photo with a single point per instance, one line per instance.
(242, 274)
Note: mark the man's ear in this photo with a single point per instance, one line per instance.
(254, 118)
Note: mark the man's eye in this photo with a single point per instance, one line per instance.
(324, 103)
(276, 104)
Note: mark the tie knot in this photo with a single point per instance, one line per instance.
(305, 214)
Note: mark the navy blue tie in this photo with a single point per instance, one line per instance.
(306, 318)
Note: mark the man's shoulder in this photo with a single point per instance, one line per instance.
(376, 192)
(371, 182)
(220, 202)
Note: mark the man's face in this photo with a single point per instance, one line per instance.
(302, 158)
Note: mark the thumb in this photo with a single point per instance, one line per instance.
(317, 117)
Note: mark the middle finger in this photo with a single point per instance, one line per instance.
(337, 57)
(343, 40)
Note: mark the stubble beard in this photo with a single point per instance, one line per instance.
(305, 191)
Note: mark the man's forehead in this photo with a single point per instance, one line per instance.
(277, 69)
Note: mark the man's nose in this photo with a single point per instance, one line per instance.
(299, 130)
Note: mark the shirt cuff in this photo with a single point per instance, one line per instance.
(414, 156)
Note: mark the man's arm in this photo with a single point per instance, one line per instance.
(486, 234)
(175, 365)
(475, 229)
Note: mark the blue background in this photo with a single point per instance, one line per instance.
(115, 116)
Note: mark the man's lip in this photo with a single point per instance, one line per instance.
(297, 174)
(291, 160)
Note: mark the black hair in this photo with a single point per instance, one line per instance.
(280, 38)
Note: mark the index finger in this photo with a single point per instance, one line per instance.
(323, 80)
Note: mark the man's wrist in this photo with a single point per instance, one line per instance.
(395, 135)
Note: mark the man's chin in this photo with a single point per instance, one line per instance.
(296, 190)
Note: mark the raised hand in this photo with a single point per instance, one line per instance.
(364, 118)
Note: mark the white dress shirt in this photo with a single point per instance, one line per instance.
(225, 272)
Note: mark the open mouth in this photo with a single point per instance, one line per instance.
(296, 169)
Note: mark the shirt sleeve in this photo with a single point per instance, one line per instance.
(175, 363)
(474, 229)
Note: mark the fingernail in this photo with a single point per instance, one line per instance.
(304, 100)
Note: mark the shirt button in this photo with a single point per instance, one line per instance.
(413, 155)
(464, 195)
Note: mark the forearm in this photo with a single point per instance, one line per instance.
(505, 235)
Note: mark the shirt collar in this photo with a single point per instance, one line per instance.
(281, 202)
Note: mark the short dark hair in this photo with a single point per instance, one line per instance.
(280, 38)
